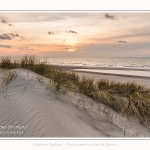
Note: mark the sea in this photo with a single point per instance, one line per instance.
(133, 66)
(121, 62)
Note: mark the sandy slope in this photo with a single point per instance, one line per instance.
(29, 108)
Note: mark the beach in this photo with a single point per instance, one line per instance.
(31, 107)
(90, 72)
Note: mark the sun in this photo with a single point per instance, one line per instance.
(70, 50)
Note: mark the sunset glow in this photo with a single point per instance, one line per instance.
(70, 50)
(57, 34)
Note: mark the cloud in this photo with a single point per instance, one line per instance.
(47, 16)
(5, 37)
(5, 21)
(10, 36)
(26, 48)
(68, 47)
(111, 17)
(6, 46)
(50, 32)
(10, 24)
(70, 31)
(14, 35)
(23, 38)
(121, 41)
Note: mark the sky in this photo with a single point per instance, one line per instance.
(75, 34)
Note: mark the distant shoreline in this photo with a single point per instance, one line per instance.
(102, 68)
(72, 68)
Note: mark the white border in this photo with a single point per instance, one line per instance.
(74, 5)
(31, 6)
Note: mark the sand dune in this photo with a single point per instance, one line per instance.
(30, 107)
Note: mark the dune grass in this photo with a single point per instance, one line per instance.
(6, 76)
(129, 99)
(136, 98)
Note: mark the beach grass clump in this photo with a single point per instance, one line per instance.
(63, 79)
(34, 64)
(26, 62)
(86, 86)
(124, 89)
(8, 63)
(134, 99)
(103, 84)
(7, 76)
(138, 106)
(112, 101)
(127, 89)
